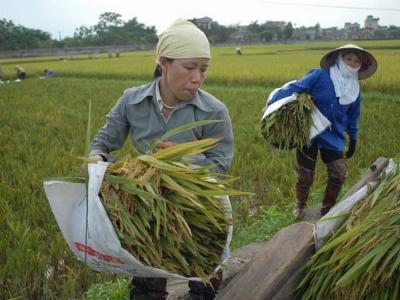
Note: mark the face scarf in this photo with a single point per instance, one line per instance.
(183, 40)
(345, 81)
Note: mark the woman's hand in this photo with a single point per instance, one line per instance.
(97, 157)
(93, 158)
(163, 144)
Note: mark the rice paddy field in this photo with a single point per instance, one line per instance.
(43, 130)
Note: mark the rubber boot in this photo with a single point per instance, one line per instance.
(148, 289)
(337, 172)
(305, 178)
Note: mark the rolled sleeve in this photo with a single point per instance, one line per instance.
(113, 134)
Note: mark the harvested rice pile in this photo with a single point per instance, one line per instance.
(166, 213)
(289, 126)
(362, 259)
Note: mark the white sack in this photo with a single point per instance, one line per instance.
(101, 246)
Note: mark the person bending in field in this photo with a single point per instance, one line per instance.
(336, 93)
(21, 75)
(49, 73)
(172, 99)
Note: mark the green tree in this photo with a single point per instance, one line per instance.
(15, 37)
(112, 30)
(255, 28)
(288, 31)
(267, 35)
(84, 32)
(275, 29)
(217, 33)
(109, 19)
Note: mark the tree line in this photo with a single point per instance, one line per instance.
(15, 37)
(112, 30)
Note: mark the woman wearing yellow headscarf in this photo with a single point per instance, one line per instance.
(172, 99)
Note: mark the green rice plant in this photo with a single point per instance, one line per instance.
(260, 65)
(289, 126)
(111, 290)
(362, 259)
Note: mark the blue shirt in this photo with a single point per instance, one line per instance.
(50, 73)
(138, 114)
(344, 118)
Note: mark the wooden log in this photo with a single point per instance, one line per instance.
(269, 274)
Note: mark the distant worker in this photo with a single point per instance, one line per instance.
(116, 53)
(49, 73)
(20, 72)
(238, 51)
(2, 75)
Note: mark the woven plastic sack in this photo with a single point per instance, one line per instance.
(90, 234)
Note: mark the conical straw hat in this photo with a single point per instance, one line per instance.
(368, 65)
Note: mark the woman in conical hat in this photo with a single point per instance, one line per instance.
(174, 98)
(368, 61)
(336, 93)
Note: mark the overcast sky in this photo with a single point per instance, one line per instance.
(62, 17)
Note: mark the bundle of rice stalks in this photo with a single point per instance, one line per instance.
(289, 126)
(166, 213)
(362, 259)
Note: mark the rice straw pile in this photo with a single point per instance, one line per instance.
(166, 213)
(289, 126)
(362, 259)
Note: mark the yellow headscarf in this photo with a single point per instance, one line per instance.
(183, 40)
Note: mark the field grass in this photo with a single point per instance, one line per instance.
(43, 125)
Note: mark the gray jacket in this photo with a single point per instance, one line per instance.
(138, 114)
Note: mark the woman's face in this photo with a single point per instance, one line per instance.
(184, 77)
(352, 60)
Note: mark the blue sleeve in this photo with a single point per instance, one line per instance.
(299, 86)
(353, 115)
